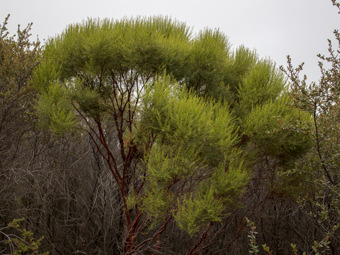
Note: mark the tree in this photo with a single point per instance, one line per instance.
(177, 118)
(18, 58)
(321, 163)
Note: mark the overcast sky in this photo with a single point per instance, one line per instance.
(275, 28)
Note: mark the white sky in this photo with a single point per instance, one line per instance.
(275, 28)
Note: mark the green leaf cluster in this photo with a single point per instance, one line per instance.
(25, 242)
(278, 129)
(55, 111)
(99, 47)
(194, 212)
(192, 159)
(180, 117)
(261, 84)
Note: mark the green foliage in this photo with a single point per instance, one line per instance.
(193, 137)
(253, 246)
(24, 242)
(54, 110)
(227, 180)
(266, 249)
(261, 84)
(278, 129)
(179, 117)
(89, 101)
(98, 47)
(157, 202)
(167, 163)
(208, 56)
(43, 75)
(240, 63)
(196, 211)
